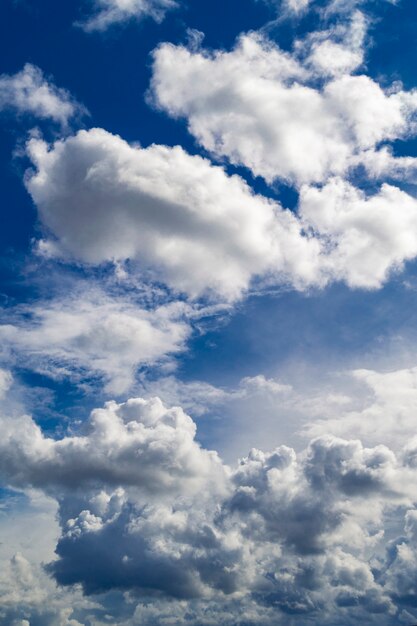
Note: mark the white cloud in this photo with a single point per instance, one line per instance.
(290, 7)
(30, 92)
(338, 50)
(370, 236)
(110, 12)
(90, 333)
(260, 107)
(139, 443)
(377, 407)
(297, 7)
(386, 412)
(198, 229)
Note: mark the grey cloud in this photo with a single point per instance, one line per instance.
(144, 510)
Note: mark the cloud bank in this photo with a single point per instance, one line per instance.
(184, 526)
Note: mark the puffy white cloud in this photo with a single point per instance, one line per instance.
(90, 333)
(110, 12)
(138, 443)
(337, 51)
(378, 407)
(200, 231)
(369, 236)
(195, 227)
(261, 107)
(30, 92)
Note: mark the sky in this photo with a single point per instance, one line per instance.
(208, 330)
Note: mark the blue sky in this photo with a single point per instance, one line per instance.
(208, 311)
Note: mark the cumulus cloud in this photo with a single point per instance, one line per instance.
(139, 443)
(376, 406)
(182, 525)
(28, 596)
(338, 50)
(201, 231)
(91, 333)
(110, 12)
(262, 108)
(30, 92)
(198, 229)
(371, 235)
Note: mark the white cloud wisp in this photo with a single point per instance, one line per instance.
(29, 92)
(110, 12)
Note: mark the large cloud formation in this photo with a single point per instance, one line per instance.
(144, 509)
(262, 108)
(303, 117)
(182, 217)
(199, 230)
(147, 515)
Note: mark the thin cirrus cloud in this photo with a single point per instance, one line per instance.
(29, 92)
(93, 334)
(107, 13)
